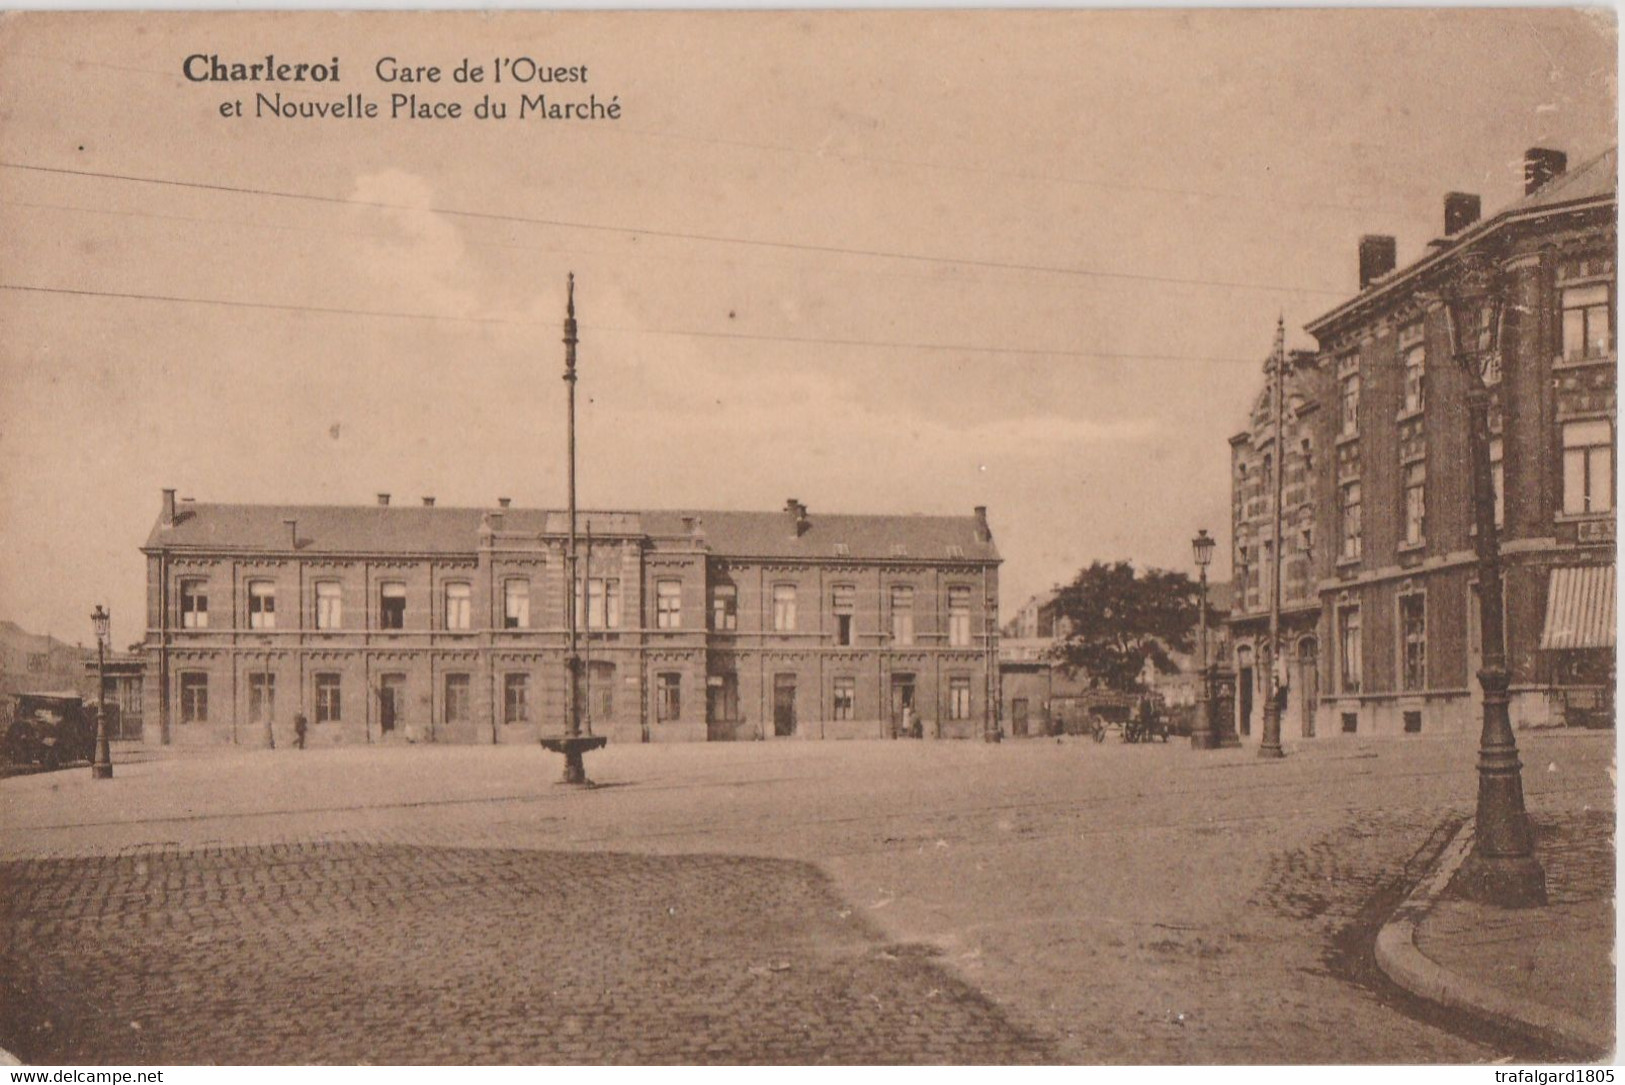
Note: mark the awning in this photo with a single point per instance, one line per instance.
(1579, 608)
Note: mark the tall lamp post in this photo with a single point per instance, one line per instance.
(1270, 744)
(102, 767)
(1202, 728)
(1502, 868)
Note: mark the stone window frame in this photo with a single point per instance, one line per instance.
(193, 688)
(327, 687)
(326, 619)
(459, 709)
(261, 604)
(199, 592)
(1404, 643)
(467, 599)
(516, 709)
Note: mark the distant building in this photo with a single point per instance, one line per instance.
(30, 663)
(1395, 624)
(387, 623)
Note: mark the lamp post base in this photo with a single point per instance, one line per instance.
(1510, 881)
(101, 772)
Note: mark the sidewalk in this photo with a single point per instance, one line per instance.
(1547, 973)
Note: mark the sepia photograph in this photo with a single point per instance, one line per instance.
(809, 538)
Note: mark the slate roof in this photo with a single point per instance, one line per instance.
(418, 529)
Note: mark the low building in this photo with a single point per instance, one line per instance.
(35, 663)
(395, 623)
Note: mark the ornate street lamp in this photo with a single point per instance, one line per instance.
(1502, 868)
(1202, 728)
(102, 767)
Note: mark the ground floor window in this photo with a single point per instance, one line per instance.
(845, 697)
(516, 698)
(327, 698)
(194, 697)
(456, 706)
(722, 698)
(668, 697)
(261, 697)
(1413, 635)
(1348, 648)
(959, 698)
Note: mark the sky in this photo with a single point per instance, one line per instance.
(881, 262)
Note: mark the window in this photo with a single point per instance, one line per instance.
(1415, 502)
(603, 603)
(1588, 477)
(1351, 723)
(327, 698)
(261, 604)
(959, 617)
(456, 707)
(261, 696)
(516, 604)
(194, 697)
(668, 604)
(1587, 331)
(1350, 399)
(1413, 641)
(1351, 521)
(668, 697)
(1498, 479)
(459, 605)
(392, 606)
(902, 614)
(1413, 723)
(843, 601)
(784, 607)
(1348, 646)
(722, 698)
(194, 604)
(329, 604)
(1415, 357)
(959, 698)
(516, 698)
(845, 697)
(724, 607)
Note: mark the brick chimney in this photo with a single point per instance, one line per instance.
(168, 519)
(383, 499)
(798, 516)
(293, 531)
(428, 502)
(1541, 165)
(504, 502)
(1377, 258)
(1461, 210)
(984, 533)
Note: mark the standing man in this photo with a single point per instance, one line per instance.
(299, 725)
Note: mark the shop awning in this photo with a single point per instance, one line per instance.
(1579, 608)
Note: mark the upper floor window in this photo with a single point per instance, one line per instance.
(459, 606)
(959, 617)
(902, 614)
(1351, 521)
(603, 603)
(329, 604)
(1413, 629)
(516, 604)
(194, 604)
(261, 604)
(1349, 398)
(1588, 462)
(724, 607)
(392, 605)
(1415, 358)
(1498, 479)
(668, 604)
(784, 607)
(843, 599)
(1415, 502)
(1587, 327)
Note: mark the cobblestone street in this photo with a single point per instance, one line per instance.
(803, 902)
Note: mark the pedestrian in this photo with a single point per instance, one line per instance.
(299, 725)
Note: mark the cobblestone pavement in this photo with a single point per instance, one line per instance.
(1115, 903)
(353, 953)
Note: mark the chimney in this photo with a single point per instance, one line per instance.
(1461, 210)
(983, 532)
(169, 509)
(791, 505)
(428, 502)
(1377, 257)
(293, 531)
(688, 525)
(798, 514)
(496, 520)
(1541, 165)
(383, 499)
(504, 502)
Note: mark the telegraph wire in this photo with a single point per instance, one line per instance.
(723, 239)
(610, 329)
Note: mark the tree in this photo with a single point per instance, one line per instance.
(1116, 622)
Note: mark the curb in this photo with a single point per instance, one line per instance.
(1405, 964)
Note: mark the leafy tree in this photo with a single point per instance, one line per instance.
(1116, 621)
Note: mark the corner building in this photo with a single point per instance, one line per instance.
(393, 623)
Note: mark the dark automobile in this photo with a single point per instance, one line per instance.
(49, 729)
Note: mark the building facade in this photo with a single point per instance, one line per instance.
(31, 663)
(416, 623)
(1390, 505)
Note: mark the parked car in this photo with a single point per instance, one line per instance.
(49, 729)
